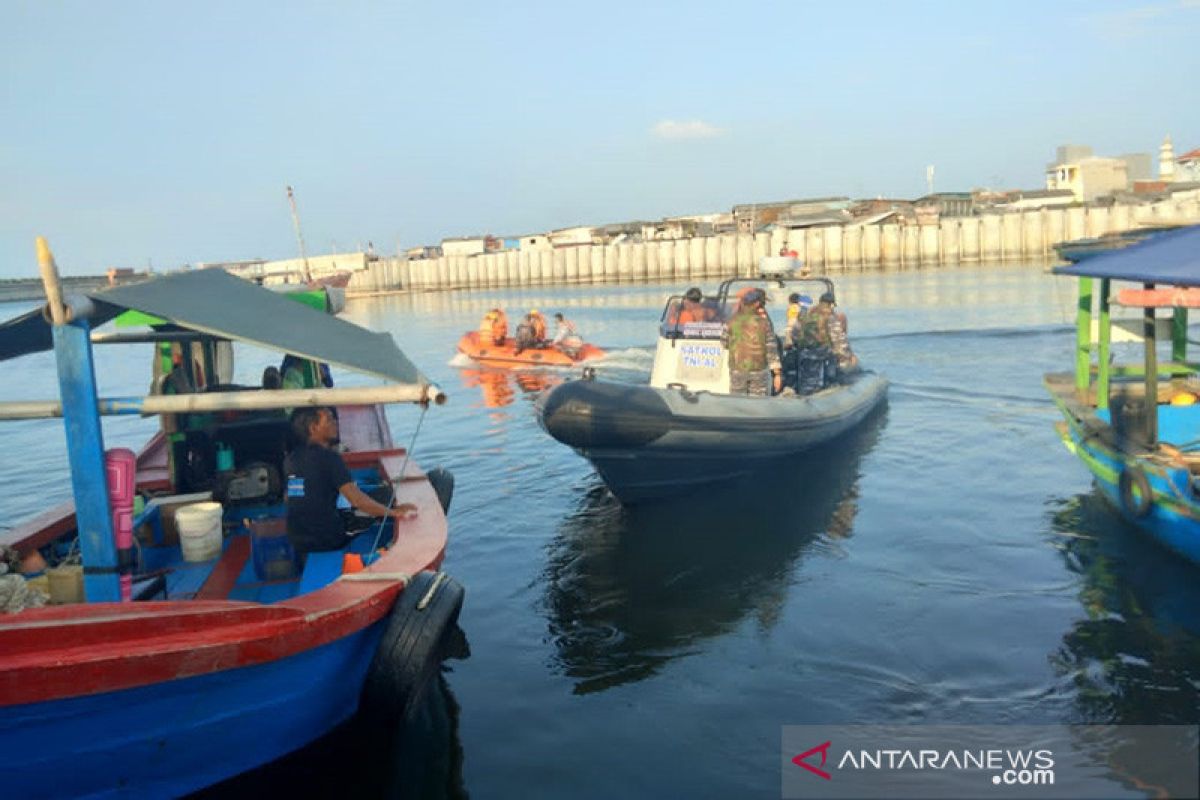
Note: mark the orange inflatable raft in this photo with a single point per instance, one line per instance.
(505, 355)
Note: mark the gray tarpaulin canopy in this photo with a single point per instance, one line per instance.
(1171, 258)
(213, 302)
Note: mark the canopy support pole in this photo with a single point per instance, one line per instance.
(1083, 337)
(1104, 347)
(1151, 402)
(85, 441)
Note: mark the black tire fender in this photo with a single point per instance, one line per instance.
(442, 481)
(413, 646)
(1136, 495)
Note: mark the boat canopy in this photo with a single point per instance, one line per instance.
(213, 302)
(1167, 258)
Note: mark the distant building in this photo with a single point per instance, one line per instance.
(1088, 178)
(422, 252)
(118, 273)
(463, 246)
(947, 204)
(1070, 153)
(1140, 166)
(534, 241)
(881, 209)
(750, 217)
(618, 232)
(1187, 166)
(571, 237)
(680, 228)
(1020, 200)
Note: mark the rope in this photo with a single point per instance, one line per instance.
(403, 468)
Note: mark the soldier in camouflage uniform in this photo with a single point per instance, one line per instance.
(822, 347)
(750, 340)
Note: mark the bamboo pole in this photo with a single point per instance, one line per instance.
(49, 271)
(259, 400)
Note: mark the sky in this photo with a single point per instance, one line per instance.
(138, 134)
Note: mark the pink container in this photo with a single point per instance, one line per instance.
(120, 467)
(123, 527)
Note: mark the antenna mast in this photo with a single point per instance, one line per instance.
(299, 234)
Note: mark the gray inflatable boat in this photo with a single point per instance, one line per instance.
(685, 430)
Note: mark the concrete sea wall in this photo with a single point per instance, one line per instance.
(994, 238)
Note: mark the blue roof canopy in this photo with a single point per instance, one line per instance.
(1171, 258)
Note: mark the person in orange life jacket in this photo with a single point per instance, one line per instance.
(499, 326)
(493, 327)
(316, 476)
(753, 348)
(539, 325)
(692, 309)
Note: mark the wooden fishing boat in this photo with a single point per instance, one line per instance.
(685, 429)
(1136, 426)
(179, 668)
(506, 355)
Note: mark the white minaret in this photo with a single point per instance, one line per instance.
(1166, 160)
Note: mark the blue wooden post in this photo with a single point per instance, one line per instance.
(85, 450)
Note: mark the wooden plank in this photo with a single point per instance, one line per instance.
(42, 529)
(224, 575)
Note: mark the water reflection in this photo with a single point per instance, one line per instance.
(499, 386)
(1134, 659)
(422, 758)
(630, 589)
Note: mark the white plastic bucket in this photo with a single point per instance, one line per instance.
(199, 527)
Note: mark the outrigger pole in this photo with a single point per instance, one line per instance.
(85, 438)
(230, 401)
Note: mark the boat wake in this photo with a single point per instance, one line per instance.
(632, 358)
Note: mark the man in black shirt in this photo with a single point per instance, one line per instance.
(316, 475)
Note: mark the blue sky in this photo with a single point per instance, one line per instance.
(134, 133)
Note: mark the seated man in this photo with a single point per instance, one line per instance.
(316, 476)
(566, 338)
(499, 330)
(822, 346)
(531, 332)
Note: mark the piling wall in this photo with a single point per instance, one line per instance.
(1016, 236)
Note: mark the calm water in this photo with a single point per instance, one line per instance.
(947, 563)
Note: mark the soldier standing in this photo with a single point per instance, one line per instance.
(750, 340)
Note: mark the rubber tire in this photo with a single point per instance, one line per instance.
(442, 481)
(411, 649)
(1136, 505)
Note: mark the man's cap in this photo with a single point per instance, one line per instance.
(805, 300)
(794, 297)
(754, 296)
(828, 298)
(694, 295)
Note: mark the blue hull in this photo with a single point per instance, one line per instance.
(1173, 518)
(176, 737)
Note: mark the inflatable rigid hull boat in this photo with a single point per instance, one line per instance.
(648, 442)
(685, 429)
